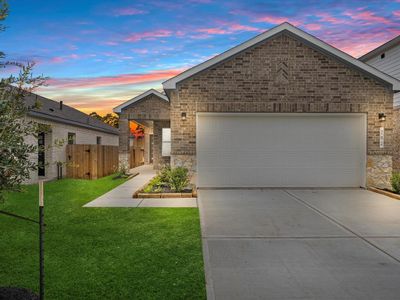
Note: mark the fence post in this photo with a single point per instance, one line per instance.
(41, 240)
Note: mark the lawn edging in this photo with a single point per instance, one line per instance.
(384, 192)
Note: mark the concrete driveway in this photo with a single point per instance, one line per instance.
(300, 244)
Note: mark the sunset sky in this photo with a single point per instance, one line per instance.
(100, 53)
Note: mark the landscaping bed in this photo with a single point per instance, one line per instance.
(169, 183)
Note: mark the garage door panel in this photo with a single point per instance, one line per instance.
(276, 151)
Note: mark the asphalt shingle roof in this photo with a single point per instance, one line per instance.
(51, 110)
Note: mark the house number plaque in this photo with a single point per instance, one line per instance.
(381, 137)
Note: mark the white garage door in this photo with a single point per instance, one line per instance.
(281, 150)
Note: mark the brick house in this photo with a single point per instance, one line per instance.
(64, 124)
(283, 109)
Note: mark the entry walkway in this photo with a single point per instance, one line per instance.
(121, 196)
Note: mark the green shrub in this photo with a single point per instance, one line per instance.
(395, 180)
(164, 174)
(178, 178)
(155, 185)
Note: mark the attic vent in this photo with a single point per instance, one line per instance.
(282, 75)
(383, 55)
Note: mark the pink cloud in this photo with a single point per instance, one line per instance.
(397, 12)
(225, 28)
(140, 51)
(62, 59)
(148, 35)
(57, 59)
(326, 17)
(212, 30)
(128, 11)
(313, 26)
(367, 16)
(122, 79)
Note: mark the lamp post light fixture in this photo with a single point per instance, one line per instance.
(382, 117)
(183, 116)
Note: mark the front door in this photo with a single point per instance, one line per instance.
(41, 154)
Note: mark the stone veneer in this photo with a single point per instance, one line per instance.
(379, 171)
(283, 75)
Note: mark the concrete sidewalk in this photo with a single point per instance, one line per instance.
(121, 196)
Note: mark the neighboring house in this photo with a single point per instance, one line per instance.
(65, 124)
(283, 109)
(386, 58)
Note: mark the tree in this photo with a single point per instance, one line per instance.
(15, 151)
(110, 119)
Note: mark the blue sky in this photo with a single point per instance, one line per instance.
(100, 53)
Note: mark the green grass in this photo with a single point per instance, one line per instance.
(101, 253)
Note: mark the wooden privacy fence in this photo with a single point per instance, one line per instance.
(91, 161)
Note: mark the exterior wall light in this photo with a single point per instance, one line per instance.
(382, 117)
(183, 116)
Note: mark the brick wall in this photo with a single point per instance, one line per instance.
(279, 75)
(150, 108)
(158, 159)
(396, 140)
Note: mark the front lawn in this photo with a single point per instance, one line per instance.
(101, 253)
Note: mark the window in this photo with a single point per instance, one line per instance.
(71, 138)
(98, 140)
(166, 142)
(382, 55)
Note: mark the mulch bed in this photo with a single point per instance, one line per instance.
(16, 293)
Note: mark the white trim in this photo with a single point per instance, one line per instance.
(118, 108)
(170, 84)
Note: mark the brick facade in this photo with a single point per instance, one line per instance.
(150, 108)
(282, 75)
(396, 140)
(158, 159)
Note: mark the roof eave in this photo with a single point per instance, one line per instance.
(118, 109)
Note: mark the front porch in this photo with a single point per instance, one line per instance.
(150, 111)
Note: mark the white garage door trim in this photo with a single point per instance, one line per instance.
(361, 144)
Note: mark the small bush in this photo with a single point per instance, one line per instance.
(395, 180)
(178, 178)
(155, 185)
(122, 171)
(164, 174)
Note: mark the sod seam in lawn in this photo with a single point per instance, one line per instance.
(101, 253)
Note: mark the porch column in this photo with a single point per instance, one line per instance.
(124, 132)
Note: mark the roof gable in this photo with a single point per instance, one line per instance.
(382, 48)
(119, 108)
(296, 32)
